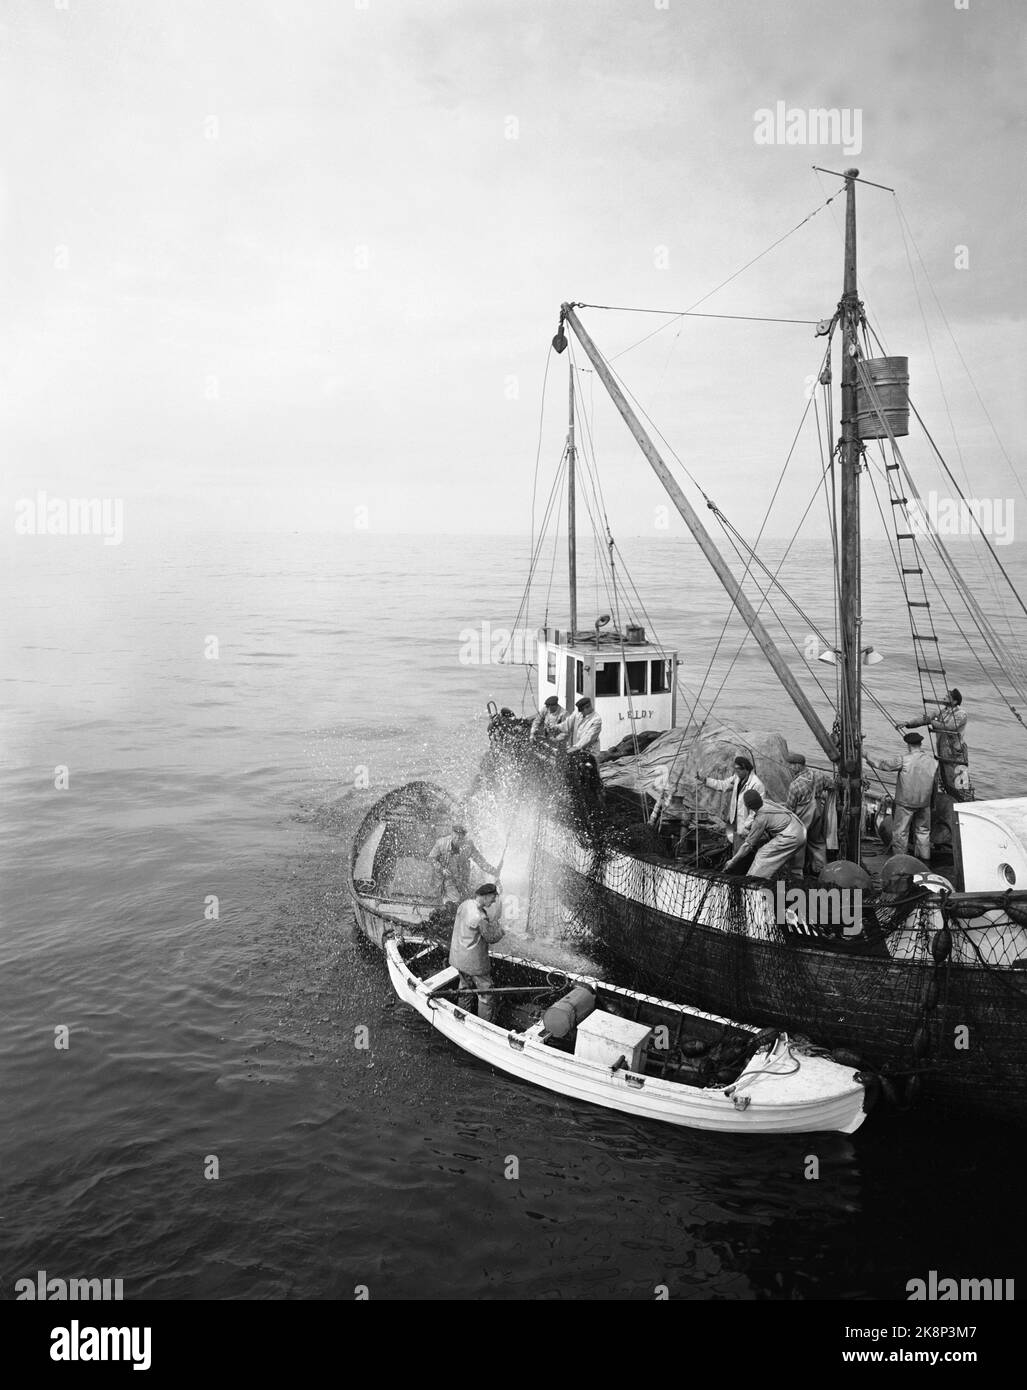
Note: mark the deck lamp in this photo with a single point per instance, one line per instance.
(870, 656)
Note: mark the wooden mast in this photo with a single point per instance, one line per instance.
(705, 543)
(850, 768)
(572, 546)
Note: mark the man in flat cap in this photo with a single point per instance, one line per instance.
(778, 836)
(583, 728)
(451, 857)
(476, 927)
(949, 723)
(806, 794)
(547, 724)
(914, 785)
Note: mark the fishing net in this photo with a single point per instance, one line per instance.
(918, 993)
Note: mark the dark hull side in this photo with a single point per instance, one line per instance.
(959, 1029)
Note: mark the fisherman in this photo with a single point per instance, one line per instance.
(805, 797)
(739, 817)
(476, 928)
(546, 726)
(451, 857)
(917, 771)
(948, 723)
(582, 730)
(777, 833)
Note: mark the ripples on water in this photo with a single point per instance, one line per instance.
(235, 1037)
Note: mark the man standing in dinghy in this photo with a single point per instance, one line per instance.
(475, 929)
(777, 833)
(451, 856)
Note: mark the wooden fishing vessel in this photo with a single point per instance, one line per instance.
(628, 1051)
(392, 885)
(929, 983)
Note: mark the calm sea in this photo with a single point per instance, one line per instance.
(180, 908)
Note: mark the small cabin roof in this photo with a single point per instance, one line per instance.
(582, 642)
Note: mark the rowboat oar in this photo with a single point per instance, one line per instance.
(500, 989)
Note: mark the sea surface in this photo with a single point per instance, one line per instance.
(193, 728)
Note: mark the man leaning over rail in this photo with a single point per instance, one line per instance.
(779, 834)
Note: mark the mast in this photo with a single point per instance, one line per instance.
(702, 536)
(850, 769)
(572, 545)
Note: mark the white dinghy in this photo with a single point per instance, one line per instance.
(631, 1052)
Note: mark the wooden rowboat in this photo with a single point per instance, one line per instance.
(632, 1052)
(392, 885)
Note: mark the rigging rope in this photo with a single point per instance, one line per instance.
(979, 618)
(988, 675)
(733, 276)
(691, 314)
(952, 336)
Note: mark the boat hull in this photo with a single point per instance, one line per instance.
(958, 1028)
(376, 920)
(816, 1096)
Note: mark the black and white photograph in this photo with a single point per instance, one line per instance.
(514, 650)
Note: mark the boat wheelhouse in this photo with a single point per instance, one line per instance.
(631, 682)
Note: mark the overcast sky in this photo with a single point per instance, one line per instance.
(270, 262)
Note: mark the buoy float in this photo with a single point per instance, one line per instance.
(941, 946)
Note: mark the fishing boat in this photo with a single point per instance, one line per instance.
(927, 980)
(630, 1052)
(392, 884)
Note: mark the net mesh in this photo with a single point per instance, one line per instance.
(926, 992)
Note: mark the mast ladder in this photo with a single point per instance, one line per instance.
(926, 647)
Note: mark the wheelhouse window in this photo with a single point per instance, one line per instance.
(607, 678)
(551, 668)
(660, 677)
(636, 677)
(579, 677)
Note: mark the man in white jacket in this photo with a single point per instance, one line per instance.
(583, 728)
(742, 780)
